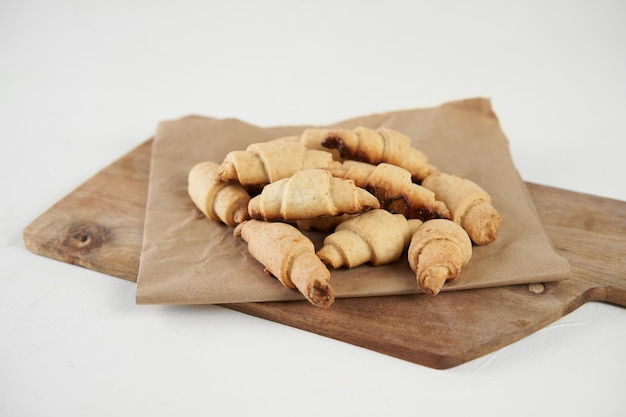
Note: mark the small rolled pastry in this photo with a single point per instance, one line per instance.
(289, 256)
(266, 162)
(377, 236)
(470, 206)
(437, 251)
(312, 138)
(376, 146)
(220, 202)
(394, 189)
(308, 194)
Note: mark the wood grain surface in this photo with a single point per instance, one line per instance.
(100, 226)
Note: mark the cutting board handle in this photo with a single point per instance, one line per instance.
(590, 232)
(609, 294)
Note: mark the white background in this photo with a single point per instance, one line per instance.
(84, 82)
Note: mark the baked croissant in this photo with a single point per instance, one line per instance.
(220, 202)
(469, 205)
(376, 146)
(290, 256)
(266, 162)
(312, 138)
(310, 193)
(377, 236)
(437, 251)
(394, 189)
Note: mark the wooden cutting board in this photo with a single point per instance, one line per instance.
(100, 226)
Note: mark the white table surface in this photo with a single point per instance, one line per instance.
(82, 83)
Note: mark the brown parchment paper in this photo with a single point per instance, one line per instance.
(187, 259)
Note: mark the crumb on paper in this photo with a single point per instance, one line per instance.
(536, 288)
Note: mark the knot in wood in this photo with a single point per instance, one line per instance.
(85, 236)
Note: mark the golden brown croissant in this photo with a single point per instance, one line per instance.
(376, 146)
(290, 256)
(437, 251)
(266, 162)
(377, 237)
(312, 138)
(395, 190)
(469, 205)
(308, 194)
(220, 202)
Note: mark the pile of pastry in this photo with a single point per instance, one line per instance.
(375, 195)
